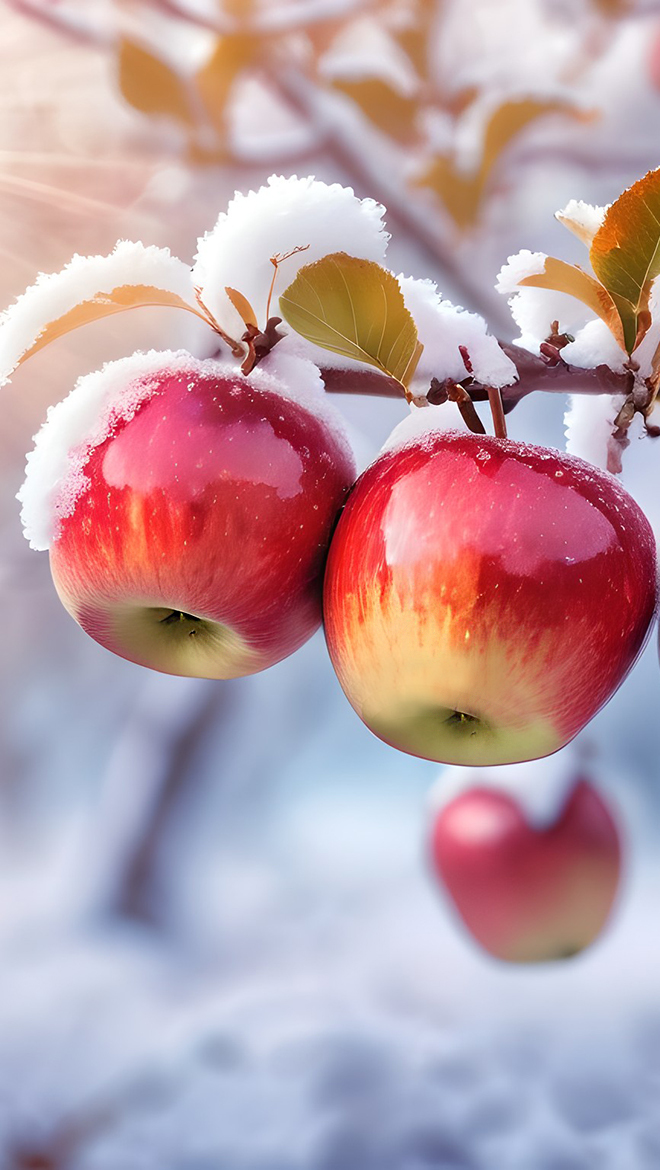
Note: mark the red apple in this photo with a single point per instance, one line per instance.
(198, 547)
(529, 894)
(484, 598)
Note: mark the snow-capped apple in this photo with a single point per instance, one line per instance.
(192, 511)
(484, 598)
(528, 892)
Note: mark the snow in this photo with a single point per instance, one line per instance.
(55, 473)
(83, 279)
(540, 788)
(285, 214)
(422, 421)
(442, 328)
(589, 422)
(594, 345)
(535, 309)
(523, 264)
(583, 219)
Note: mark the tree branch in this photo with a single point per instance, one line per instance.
(534, 373)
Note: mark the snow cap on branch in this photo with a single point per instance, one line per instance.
(284, 215)
(442, 329)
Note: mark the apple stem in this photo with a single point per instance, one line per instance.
(497, 411)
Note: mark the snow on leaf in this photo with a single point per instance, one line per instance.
(151, 86)
(462, 195)
(569, 278)
(89, 288)
(581, 219)
(355, 308)
(625, 254)
(282, 217)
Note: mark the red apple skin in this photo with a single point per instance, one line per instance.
(216, 500)
(484, 598)
(529, 895)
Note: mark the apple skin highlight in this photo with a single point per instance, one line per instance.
(199, 544)
(484, 598)
(526, 894)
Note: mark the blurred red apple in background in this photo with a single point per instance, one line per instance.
(484, 598)
(528, 893)
(198, 545)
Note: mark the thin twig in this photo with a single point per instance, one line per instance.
(497, 411)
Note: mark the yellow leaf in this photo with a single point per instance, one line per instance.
(149, 85)
(390, 111)
(128, 296)
(568, 278)
(354, 308)
(625, 254)
(216, 78)
(415, 36)
(461, 194)
(242, 306)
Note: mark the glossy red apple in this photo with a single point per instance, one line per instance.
(483, 598)
(528, 894)
(199, 545)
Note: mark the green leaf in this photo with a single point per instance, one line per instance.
(354, 308)
(625, 254)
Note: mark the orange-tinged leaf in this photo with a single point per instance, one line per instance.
(242, 306)
(215, 80)
(151, 86)
(625, 254)
(461, 194)
(354, 308)
(415, 35)
(568, 278)
(390, 111)
(129, 296)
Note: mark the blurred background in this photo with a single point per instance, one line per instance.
(221, 944)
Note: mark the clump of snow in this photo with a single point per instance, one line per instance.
(285, 214)
(55, 473)
(442, 328)
(83, 279)
(595, 345)
(535, 309)
(589, 422)
(423, 421)
(583, 219)
(524, 263)
(540, 788)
